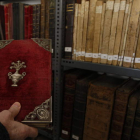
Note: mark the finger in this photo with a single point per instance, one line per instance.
(15, 108)
(32, 132)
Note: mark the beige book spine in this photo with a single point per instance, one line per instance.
(113, 31)
(119, 32)
(86, 12)
(90, 30)
(122, 48)
(75, 32)
(136, 43)
(80, 31)
(132, 29)
(101, 34)
(97, 30)
(120, 57)
(107, 29)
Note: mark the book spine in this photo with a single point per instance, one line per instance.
(90, 30)
(52, 24)
(17, 22)
(101, 35)
(6, 21)
(75, 28)
(107, 29)
(97, 31)
(2, 22)
(130, 41)
(21, 21)
(124, 31)
(34, 21)
(69, 28)
(42, 28)
(119, 32)
(47, 20)
(85, 26)
(10, 21)
(26, 14)
(113, 31)
(30, 23)
(38, 21)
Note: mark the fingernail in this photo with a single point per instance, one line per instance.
(17, 104)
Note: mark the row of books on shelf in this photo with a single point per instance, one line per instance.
(100, 107)
(23, 21)
(103, 31)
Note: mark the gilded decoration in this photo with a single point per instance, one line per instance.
(4, 43)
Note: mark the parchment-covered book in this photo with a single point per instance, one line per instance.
(26, 77)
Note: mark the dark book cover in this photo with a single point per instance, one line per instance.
(37, 21)
(2, 22)
(120, 106)
(130, 115)
(82, 86)
(47, 19)
(26, 20)
(10, 11)
(69, 28)
(100, 102)
(30, 23)
(6, 14)
(34, 21)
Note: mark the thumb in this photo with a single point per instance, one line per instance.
(15, 108)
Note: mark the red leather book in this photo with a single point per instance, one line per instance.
(6, 21)
(26, 77)
(26, 14)
(10, 12)
(30, 22)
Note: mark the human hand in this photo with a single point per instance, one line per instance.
(16, 130)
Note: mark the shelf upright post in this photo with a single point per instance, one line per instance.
(58, 71)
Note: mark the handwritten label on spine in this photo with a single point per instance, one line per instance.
(109, 5)
(65, 132)
(116, 7)
(127, 59)
(95, 55)
(68, 49)
(103, 56)
(123, 4)
(99, 9)
(88, 55)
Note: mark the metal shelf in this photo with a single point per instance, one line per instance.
(122, 71)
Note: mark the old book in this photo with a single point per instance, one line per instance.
(99, 106)
(130, 115)
(42, 26)
(119, 32)
(90, 30)
(2, 22)
(25, 79)
(6, 14)
(10, 11)
(113, 31)
(107, 29)
(132, 28)
(81, 11)
(47, 19)
(80, 106)
(69, 94)
(85, 26)
(124, 31)
(26, 20)
(120, 107)
(75, 28)
(52, 24)
(30, 22)
(101, 34)
(34, 21)
(38, 6)
(70, 5)
(97, 31)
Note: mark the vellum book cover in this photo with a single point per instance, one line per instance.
(25, 77)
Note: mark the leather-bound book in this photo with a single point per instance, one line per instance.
(34, 21)
(30, 23)
(52, 24)
(37, 21)
(107, 30)
(2, 22)
(42, 26)
(120, 107)
(90, 30)
(47, 19)
(70, 5)
(26, 20)
(80, 100)
(6, 14)
(113, 31)
(97, 31)
(100, 101)
(69, 95)
(132, 29)
(130, 115)
(10, 11)
(26, 78)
